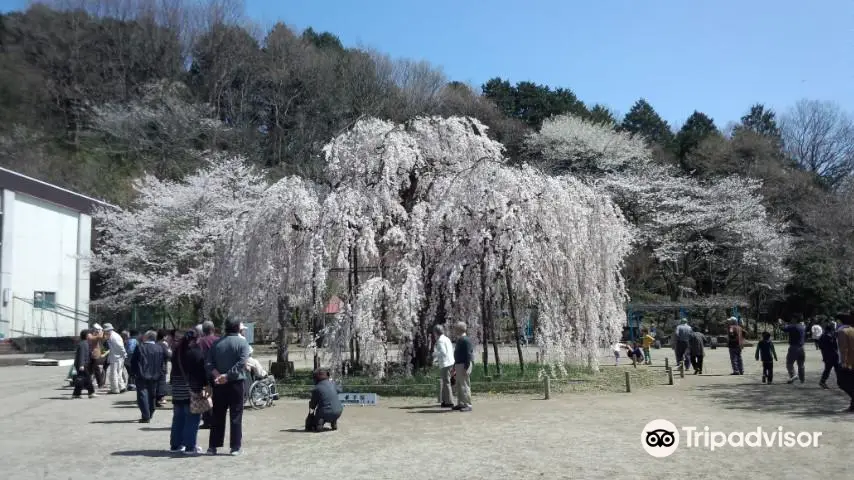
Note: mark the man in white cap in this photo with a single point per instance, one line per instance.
(117, 357)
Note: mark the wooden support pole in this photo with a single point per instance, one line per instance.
(669, 376)
(440, 391)
(666, 362)
(681, 370)
(628, 383)
(547, 383)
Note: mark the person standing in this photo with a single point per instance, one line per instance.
(463, 360)
(188, 378)
(816, 335)
(845, 368)
(226, 364)
(116, 357)
(443, 357)
(765, 351)
(147, 366)
(648, 341)
(205, 343)
(132, 343)
(95, 339)
(735, 344)
(797, 337)
(697, 348)
(683, 338)
(82, 368)
(829, 353)
(164, 341)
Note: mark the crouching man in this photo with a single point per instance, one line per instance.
(324, 406)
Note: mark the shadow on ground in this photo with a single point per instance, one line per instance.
(796, 400)
(415, 407)
(302, 430)
(155, 429)
(144, 453)
(111, 422)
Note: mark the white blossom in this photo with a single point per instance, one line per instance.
(161, 249)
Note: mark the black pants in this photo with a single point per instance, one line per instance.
(795, 355)
(828, 366)
(315, 422)
(131, 380)
(697, 360)
(681, 349)
(83, 380)
(736, 361)
(162, 389)
(768, 371)
(229, 398)
(146, 397)
(845, 380)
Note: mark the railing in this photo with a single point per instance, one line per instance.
(59, 320)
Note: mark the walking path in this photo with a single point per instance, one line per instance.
(578, 436)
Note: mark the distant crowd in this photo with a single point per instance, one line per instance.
(835, 341)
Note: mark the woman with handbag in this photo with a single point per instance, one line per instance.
(189, 397)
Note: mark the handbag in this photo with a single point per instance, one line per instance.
(201, 402)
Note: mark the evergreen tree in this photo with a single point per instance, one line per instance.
(642, 119)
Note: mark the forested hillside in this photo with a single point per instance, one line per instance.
(92, 99)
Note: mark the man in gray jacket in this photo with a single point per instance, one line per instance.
(226, 365)
(683, 338)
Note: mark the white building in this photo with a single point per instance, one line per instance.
(45, 245)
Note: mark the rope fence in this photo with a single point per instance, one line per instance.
(607, 380)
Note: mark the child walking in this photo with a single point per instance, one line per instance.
(648, 341)
(765, 351)
(617, 347)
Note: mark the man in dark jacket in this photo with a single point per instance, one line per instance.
(735, 343)
(463, 360)
(325, 405)
(226, 365)
(829, 352)
(82, 362)
(797, 337)
(697, 350)
(147, 364)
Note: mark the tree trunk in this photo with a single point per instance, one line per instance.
(282, 317)
(508, 282)
(484, 314)
(494, 333)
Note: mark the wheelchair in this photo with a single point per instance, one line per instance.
(260, 391)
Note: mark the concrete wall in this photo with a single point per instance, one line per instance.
(45, 249)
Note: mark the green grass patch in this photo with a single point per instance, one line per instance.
(511, 381)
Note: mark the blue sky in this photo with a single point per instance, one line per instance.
(717, 56)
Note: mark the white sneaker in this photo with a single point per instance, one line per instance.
(177, 450)
(196, 451)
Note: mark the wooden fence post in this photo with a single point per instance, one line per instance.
(681, 370)
(669, 376)
(547, 383)
(440, 391)
(628, 383)
(666, 362)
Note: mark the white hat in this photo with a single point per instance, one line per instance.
(108, 327)
(733, 320)
(97, 327)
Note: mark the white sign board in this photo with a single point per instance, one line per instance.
(359, 398)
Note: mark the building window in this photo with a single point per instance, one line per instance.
(45, 300)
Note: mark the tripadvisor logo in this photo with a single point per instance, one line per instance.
(660, 438)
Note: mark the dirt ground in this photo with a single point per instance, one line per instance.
(575, 436)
